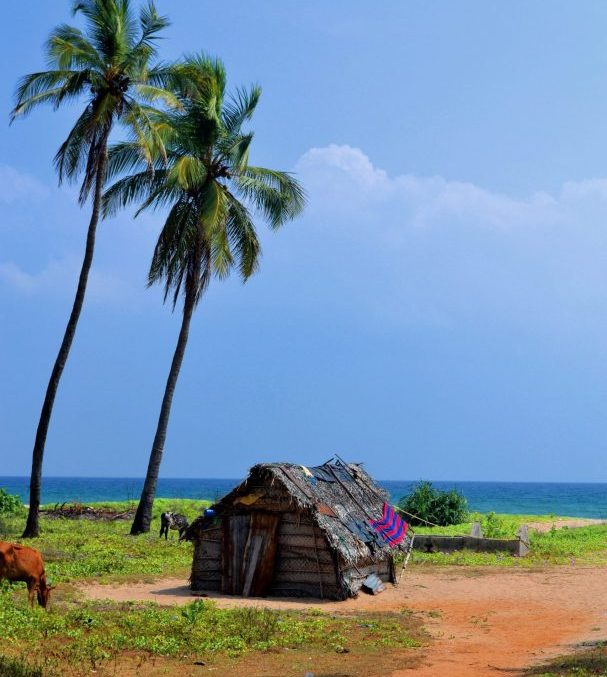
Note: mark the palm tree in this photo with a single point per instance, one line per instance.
(107, 65)
(212, 193)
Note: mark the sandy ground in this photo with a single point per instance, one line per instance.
(560, 523)
(484, 621)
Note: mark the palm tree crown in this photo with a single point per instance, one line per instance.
(206, 181)
(109, 64)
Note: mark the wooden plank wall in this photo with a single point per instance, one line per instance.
(304, 564)
(206, 564)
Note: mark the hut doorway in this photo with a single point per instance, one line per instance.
(249, 553)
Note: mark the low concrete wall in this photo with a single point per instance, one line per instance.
(432, 543)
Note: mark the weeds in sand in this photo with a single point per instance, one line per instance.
(589, 663)
(17, 667)
(95, 633)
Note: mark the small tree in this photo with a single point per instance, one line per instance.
(10, 504)
(433, 505)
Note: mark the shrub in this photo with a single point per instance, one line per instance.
(9, 504)
(494, 526)
(433, 505)
(14, 667)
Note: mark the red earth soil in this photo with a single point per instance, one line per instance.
(484, 622)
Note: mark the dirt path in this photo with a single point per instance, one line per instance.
(561, 523)
(485, 622)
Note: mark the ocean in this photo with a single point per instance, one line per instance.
(537, 498)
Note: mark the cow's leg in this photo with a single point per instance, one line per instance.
(31, 590)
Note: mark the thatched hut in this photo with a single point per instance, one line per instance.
(288, 530)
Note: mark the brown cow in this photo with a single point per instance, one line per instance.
(20, 563)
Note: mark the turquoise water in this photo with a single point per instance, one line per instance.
(575, 500)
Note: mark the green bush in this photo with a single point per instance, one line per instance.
(495, 526)
(9, 504)
(433, 505)
(14, 667)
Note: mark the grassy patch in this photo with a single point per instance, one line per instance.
(102, 550)
(16, 667)
(90, 635)
(591, 663)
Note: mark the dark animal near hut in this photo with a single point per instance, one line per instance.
(20, 563)
(173, 520)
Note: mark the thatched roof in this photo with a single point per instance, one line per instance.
(340, 498)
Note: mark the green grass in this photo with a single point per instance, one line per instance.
(497, 526)
(585, 545)
(590, 663)
(83, 549)
(89, 633)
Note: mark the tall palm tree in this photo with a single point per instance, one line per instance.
(107, 65)
(212, 193)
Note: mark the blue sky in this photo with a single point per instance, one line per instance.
(440, 311)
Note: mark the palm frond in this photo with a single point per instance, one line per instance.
(154, 94)
(277, 195)
(201, 78)
(175, 247)
(188, 172)
(242, 236)
(103, 110)
(111, 26)
(68, 47)
(48, 87)
(125, 157)
(235, 150)
(72, 153)
(133, 188)
(239, 108)
(221, 254)
(148, 127)
(150, 24)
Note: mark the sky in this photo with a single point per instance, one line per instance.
(440, 309)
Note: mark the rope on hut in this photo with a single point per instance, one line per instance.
(421, 519)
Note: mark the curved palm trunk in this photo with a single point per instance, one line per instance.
(143, 516)
(32, 527)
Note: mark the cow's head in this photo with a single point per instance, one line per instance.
(44, 593)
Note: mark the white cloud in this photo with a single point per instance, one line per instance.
(61, 275)
(344, 178)
(425, 249)
(15, 186)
